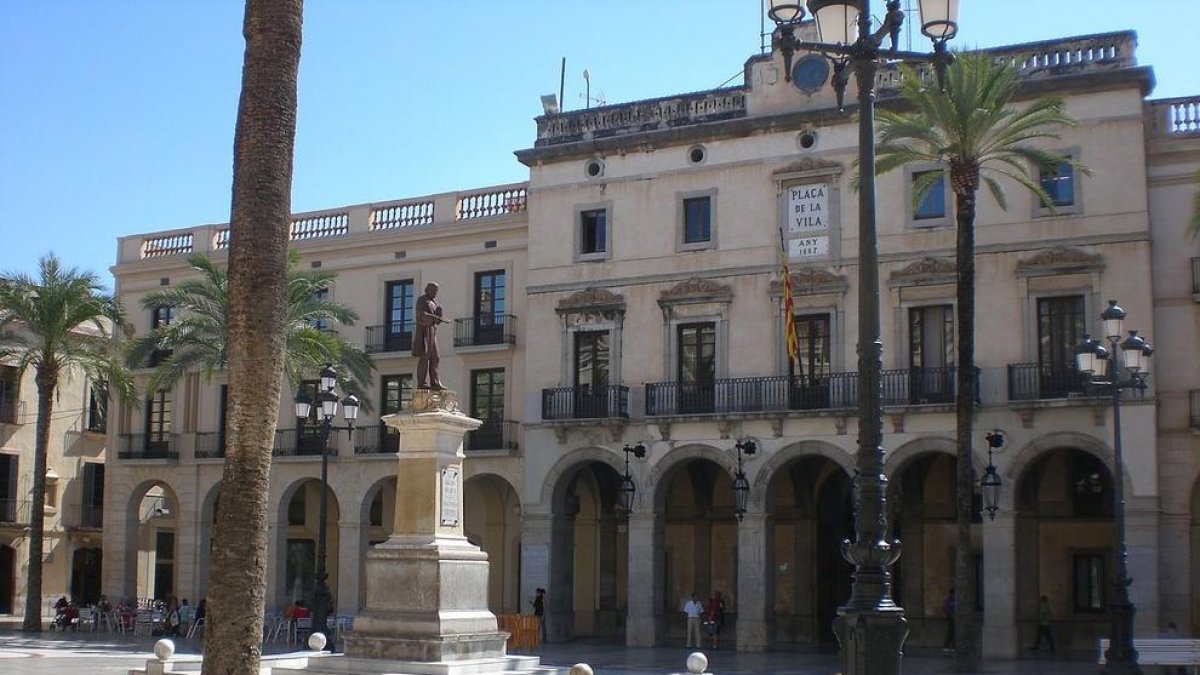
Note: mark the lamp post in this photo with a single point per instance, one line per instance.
(328, 401)
(627, 490)
(741, 485)
(870, 627)
(990, 484)
(1100, 366)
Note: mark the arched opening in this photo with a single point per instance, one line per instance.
(85, 574)
(492, 521)
(208, 518)
(700, 540)
(300, 522)
(589, 557)
(153, 517)
(8, 579)
(921, 502)
(1064, 546)
(810, 513)
(378, 522)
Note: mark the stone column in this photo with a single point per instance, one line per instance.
(427, 585)
(1141, 532)
(352, 542)
(754, 583)
(644, 626)
(1000, 638)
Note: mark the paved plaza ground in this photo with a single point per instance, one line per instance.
(84, 654)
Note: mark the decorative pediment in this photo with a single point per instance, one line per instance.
(928, 271)
(810, 281)
(808, 166)
(696, 290)
(590, 298)
(1060, 260)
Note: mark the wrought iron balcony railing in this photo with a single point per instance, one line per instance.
(91, 516)
(486, 329)
(493, 434)
(389, 338)
(9, 408)
(572, 403)
(14, 511)
(305, 442)
(210, 445)
(752, 394)
(377, 439)
(1034, 382)
(148, 446)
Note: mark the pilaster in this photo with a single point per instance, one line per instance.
(1000, 636)
(644, 626)
(754, 583)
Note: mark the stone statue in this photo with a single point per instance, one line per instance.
(424, 347)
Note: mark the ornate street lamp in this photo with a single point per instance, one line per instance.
(741, 486)
(990, 484)
(627, 490)
(871, 628)
(328, 401)
(1104, 374)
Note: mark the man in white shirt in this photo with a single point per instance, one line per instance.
(693, 610)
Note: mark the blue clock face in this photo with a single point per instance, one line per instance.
(810, 73)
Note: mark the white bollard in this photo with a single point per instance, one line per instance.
(580, 669)
(317, 642)
(164, 649)
(697, 662)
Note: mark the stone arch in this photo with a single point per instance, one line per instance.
(144, 574)
(207, 518)
(368, 497)
(660, 473)
(1017, 469)
(554, 487)
(302, 564)
(784, 456)
(492, 521)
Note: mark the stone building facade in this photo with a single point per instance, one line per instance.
(643, 260)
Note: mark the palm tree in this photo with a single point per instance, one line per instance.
(263, 148)
(57, 324)
(974, 129)
(198, 339)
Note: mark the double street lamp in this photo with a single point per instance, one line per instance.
(871, 628)
(1099, 365)
(328, 402)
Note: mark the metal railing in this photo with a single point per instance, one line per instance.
(15, 511)
(91, 516)
(571, 403)
(1194, 408)
(752, 394)
(487, 329)
(382, 339)
(1035, 382)
(920, 386)
(493, 434)
(147, 446)
(376, 439)
(306, 443)
(210, 445)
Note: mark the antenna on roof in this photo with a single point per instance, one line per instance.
(587, 97)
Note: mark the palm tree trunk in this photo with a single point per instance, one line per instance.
(47, 382)
(259, 222)
(967, 638)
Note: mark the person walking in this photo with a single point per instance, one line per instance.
(948, 608)
(694, 611)
(1045, 614)
(539, 610)
(714, 618)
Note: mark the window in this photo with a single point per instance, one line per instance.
(400, 315)
(1061, 325)
(8, 488)
(397, 391)
(160, 317)
(1089, 579)
(92, 508)
(593, 231)
(97, 410)
(810, 371)
(487, 404)
(1059, 184)
(309, 440)
(932, 204)
(164, 564)
(697, 366)
(9, 394)
(489, 307)
(591, 374)
(321, 295)
(931, 354)
(158, 422)
(697, 220)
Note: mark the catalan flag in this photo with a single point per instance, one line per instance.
(789, 316)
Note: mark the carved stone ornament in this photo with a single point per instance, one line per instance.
(810, 281)
(928, 271)
(434, 400)
(1060, 260)
(696, 290)
(808, 166)
(592, 304)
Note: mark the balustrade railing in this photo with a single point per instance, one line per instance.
(485, 329)
(221, 240)
(1173, 116)
(389, 338)
(1035, 381)
(493, 434)
(569, 403)
(491, 203)
(148, 446)
(376, 439)
(408, 214)
(168, 244)
(320, 226)
(210, 445)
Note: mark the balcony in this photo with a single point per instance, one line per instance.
(306, 442)
(493, 435)
(1194, 408)
(14, 512)
(91, 516)
(148, 446)
(210, 445)
(576, 403)
(380, 339)
(377, 439)
(9, 408)
(1036, 382)
(158, 357)
(477, 331)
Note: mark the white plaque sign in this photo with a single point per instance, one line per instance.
(808, 208)
(450, 494)
(808, 247)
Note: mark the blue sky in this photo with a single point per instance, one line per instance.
(116, 117)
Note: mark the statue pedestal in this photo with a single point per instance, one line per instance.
(427, 585)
